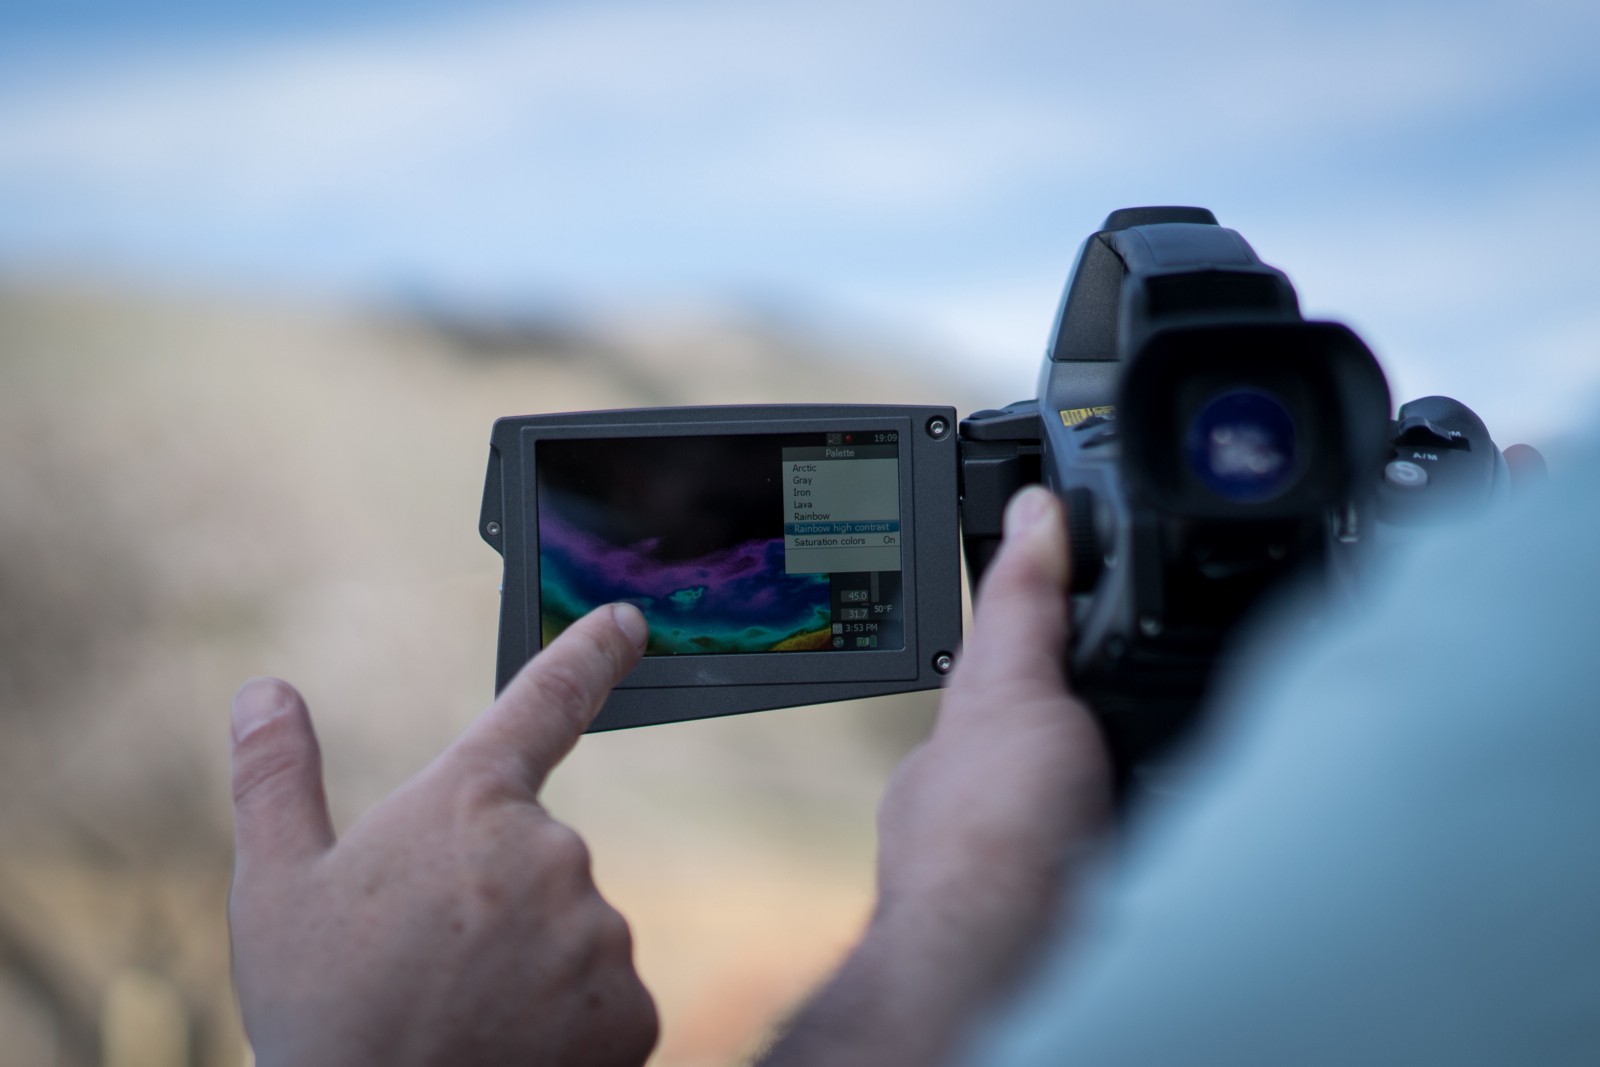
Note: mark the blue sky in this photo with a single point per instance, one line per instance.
(922, 171)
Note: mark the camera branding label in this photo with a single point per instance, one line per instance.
(1073, 416)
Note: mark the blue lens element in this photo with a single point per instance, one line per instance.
(1242, 446)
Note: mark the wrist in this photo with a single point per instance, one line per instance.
(889, 1005)
(947, 956)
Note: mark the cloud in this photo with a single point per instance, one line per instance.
(887, 107)
(931, 166)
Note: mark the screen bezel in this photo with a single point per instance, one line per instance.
(672, 688)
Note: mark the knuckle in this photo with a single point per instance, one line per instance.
(265, 761)
(485, 784)
(645, 1029)
(584, 637)
(612, 931)
(1015, 583)
(563, 849)
(563, 688)
(600, 648)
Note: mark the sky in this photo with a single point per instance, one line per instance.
(919, 172)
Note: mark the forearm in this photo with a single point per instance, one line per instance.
(889, 1004)
(910, 991)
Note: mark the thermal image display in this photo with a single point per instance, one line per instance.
(731, 599)
(688, 529)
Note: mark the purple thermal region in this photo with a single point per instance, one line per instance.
(732, 599)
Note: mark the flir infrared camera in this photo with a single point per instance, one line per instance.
(1210, 444)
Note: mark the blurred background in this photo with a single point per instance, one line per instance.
(269, 272)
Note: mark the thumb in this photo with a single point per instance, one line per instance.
(1017, 646)
(279, 809)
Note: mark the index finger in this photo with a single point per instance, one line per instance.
(1527, 467)
(541, 714)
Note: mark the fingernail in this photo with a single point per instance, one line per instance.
(1026, 510)
(258, 702)
(630, 620)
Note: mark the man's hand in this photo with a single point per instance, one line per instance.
(457, 923)
(981, 828)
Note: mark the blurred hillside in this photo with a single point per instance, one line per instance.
(197, 491)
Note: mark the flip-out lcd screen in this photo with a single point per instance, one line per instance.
(729, 543)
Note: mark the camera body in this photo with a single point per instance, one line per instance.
(1213, 449)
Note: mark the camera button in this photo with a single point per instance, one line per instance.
(1419, 432)
(1404, 474)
